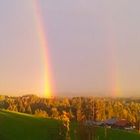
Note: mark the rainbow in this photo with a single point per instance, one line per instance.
(115, 85)
(43, 43)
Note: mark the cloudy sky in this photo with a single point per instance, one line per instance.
(94, 46)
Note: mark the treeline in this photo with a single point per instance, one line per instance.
(77, 108)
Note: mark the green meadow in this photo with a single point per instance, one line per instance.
(108, 134)
(18, 126)
(115, 134)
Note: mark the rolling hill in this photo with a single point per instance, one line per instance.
(19, 126)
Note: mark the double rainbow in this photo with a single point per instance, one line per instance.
(111, 43)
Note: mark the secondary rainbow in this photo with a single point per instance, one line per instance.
(112, 55)
(43, 43)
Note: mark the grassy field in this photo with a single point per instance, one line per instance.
(111, 134)
(18, 126)
(114, 134)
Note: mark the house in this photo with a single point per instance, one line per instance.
(111, 122)
(124, 124)
(95, 123)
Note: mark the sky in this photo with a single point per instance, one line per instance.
(93, 46)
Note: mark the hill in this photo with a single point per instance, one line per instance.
(17, 126)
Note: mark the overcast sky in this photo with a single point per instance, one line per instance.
(94, 46)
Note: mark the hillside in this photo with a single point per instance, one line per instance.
(17, 126)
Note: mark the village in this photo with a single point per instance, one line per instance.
(112, 123)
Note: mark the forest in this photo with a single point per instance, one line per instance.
(76, 108)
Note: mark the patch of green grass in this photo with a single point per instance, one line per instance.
(18, 126)
(116, 134)
(111, 134)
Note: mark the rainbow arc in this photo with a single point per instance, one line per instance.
(43, 43)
